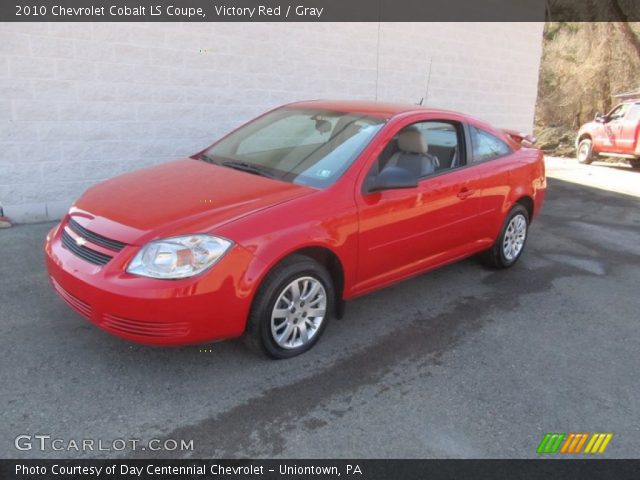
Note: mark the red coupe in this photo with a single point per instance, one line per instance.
(271, 229)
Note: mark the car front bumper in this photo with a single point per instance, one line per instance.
(208, 307)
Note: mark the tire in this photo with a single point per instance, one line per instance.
(585, 152)
(510, 244)
(635, 163)
(278, 331)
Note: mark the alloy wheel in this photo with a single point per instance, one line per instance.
(298, 312)
(514, 237)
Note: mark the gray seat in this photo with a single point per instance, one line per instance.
(413, 154)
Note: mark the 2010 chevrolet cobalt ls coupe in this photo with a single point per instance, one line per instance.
(267, 232)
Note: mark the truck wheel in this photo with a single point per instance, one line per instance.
(635, 162)
(585, 152)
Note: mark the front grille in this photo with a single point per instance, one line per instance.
(144, 328)
(95, 238)
(83, 252)
(78, 305)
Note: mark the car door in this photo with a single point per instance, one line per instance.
(404, 231)
(629, 131)
(613, 129)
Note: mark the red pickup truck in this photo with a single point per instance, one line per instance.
(616, 134)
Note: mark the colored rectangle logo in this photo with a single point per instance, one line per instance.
(573, 443)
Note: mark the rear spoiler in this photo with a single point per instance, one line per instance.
(521, 138)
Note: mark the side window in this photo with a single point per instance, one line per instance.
(487, 146)
(619, 112)
(634, 114)
(424, 148)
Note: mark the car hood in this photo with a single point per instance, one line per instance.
(589, 126)
(183, 196)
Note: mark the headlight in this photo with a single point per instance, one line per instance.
(178, 257)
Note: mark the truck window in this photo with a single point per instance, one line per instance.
(619, 112)
(634, 114)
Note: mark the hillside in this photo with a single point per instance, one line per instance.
(583, 66)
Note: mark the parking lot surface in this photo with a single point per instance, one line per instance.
(459, 362)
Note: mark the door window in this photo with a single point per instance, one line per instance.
(423, 148)
(619, 112)
(634, 114)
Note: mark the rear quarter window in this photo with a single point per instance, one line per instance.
(486, 146)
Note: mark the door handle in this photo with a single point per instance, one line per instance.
(465, 193)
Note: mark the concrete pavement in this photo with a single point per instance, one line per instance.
(460, 362)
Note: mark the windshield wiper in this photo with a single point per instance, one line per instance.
(206, 158)
(247, 167)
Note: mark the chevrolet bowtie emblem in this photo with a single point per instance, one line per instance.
(80, 241)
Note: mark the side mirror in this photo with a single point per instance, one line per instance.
(392, 178)
(599, 118)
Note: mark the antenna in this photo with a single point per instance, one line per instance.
(426, 93)
(378, 52)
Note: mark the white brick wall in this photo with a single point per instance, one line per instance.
(81, 102)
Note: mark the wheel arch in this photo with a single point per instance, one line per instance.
(326, 257)
(527, 202)
(584, 136)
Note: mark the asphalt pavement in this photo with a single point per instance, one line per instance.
(459, 362)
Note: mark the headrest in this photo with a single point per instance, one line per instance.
(412, 141)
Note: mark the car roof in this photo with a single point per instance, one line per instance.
(375, 109)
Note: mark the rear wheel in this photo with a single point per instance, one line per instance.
(291, 308)
(585, 151)
(511, 241)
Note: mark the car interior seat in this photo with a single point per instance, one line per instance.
(413, 154)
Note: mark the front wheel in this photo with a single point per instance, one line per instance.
(635, 163)
(585, 152)
(511, 241)
(291, 308)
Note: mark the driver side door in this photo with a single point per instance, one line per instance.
(613, 129)
(405, 231)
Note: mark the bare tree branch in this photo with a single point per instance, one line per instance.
(624, 26)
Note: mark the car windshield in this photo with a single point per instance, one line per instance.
(304, 146)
